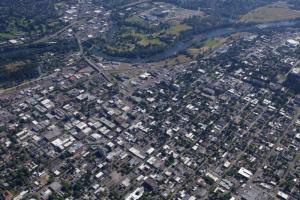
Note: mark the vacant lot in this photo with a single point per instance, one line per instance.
(272, 12)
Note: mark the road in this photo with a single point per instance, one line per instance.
(266, 159)
(294, 66)
(297, 64)
(90, 62)
(28, 83)
(59, 32)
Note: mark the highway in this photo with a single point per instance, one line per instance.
(90, 62)
(59, 32)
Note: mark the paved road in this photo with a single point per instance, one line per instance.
(90, 62)
(265, 160)
(59, 32)
(28, 83)
(294, 66)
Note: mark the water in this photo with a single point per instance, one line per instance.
(197, 40)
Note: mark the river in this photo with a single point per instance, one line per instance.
(198, 39)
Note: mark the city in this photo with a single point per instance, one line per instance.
(222, 124)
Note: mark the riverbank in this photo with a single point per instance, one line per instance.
(198, 39)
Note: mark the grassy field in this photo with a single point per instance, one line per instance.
(146, 41)
(143, 39)
(130, 37)
(11, 67)
(123, 48)
(176, 60)
(177, 29)
(136, 20)
(6, 36)
(273, 12)
(207, 45)
(194, 51)
(152, 39)
(212, 43)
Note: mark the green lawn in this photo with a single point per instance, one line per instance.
(6, 36)
(143, 39)
(146, 41)
(212, 43)
(177, 29)
(136, 20)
